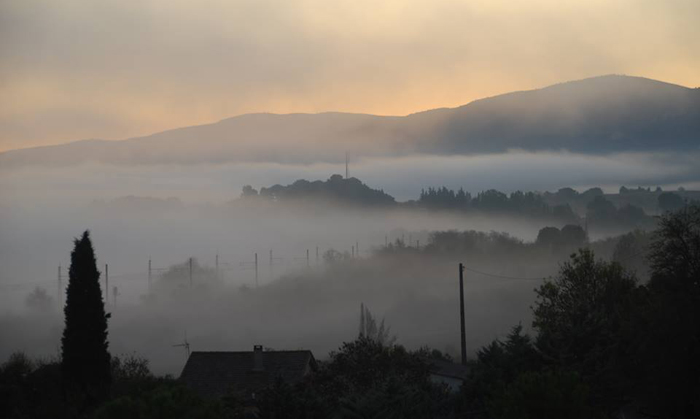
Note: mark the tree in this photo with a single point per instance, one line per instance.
(669, 201)
(580, 316)
(369, 329)
(601, 211)
(39, 300)
(670, 325)
(249, 191)
(548, 236)
(573, 235)
(542, 395)
(85, 360)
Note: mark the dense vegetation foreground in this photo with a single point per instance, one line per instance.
(606, 345)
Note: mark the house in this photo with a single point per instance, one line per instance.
(449, 373)
(215, 374)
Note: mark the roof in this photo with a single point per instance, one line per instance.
(213, 374)
(448, 369)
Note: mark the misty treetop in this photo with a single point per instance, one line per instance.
(335, 189)
(621, 212)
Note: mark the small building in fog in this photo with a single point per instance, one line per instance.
(216, 374)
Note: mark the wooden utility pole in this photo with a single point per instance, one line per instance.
(106, 282)
(307, 258)
(60, 286)
(461, 314)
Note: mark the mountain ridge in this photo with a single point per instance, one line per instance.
(598, 115)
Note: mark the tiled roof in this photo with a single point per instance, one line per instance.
(214, 374)
(448, 369)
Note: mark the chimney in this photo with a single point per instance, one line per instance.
(258, 358)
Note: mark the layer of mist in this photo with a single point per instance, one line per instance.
(169, 214)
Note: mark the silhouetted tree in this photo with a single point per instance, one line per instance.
(573, 235)
(548, 236)
(601, 211)
(39, 300)
(580, 315)
(631, 252)
(369, 329)
(669, 201)
(248, 191)
(85, 360)
(670, 326)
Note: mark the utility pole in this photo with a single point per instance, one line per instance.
(271, 262)
(190, 272)
(307, 258)
(116, 292)
(107, 282)
(256, 270)
(461, 314)
(60, 286)
(149, 274)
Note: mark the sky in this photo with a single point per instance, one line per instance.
(78, 69)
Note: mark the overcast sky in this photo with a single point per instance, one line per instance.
(113, 69)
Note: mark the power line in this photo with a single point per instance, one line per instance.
(503, 276)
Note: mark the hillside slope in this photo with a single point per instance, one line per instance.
(595, 116)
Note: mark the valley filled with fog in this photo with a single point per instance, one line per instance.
(169, 214)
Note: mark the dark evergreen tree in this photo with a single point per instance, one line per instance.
(85, 361)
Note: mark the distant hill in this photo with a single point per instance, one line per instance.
(335, 190)
(598, 115)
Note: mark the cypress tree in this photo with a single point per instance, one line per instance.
(85, 360)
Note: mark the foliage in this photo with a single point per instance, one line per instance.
(39, 300)
(167, 401)
(669, 325)
(177, 277)
(31, 389)
(526, 203)
(631, 252)
(85, 360)
(335, 189)
(542, 395)
(369, 329)
(580, 315)
(669, 201)
(570, 236)
(499, 364)
(332, 256)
